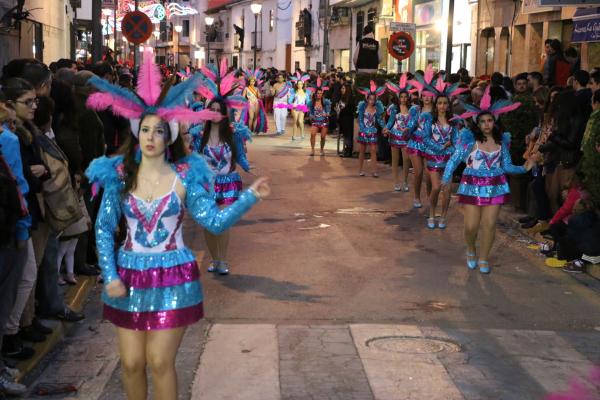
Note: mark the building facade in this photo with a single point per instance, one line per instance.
(46, 31)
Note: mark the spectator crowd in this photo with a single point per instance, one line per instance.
(48, 137)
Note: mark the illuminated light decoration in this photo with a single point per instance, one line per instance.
(156, 11)
(180, 11)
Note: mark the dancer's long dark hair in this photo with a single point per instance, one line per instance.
(435, 114)
(225, 133)
(176, 150)
(496, 131)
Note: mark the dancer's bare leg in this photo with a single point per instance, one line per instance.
(132, 352)
(161, 350)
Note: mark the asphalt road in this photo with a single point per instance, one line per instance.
(334, 255)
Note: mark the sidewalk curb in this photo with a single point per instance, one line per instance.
(75, 298)
(510, 218)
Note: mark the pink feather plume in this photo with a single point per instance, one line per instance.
(209, 73)
(459, 91)
(364, 92)
(418, 85)
(392, 87)
(148, 87)
(224, 67)
(227, 83)
(125, 108)
(183, 114)
(235, 103)
(506, 109)
(428, 74)
(486, 100)
(403, 81)
(372, 86)
(205, 92)
(440, 85)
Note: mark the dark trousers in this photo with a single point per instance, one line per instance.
(383, 148)
(347, 131)
(541, 197)
(566, 245)
(49, 296)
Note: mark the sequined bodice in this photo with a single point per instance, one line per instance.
(369, 119)
(483, 160)
(154, 227)
(401, 122)
(251, 95)
(300, 98)
(319, 112)
(218, 158)
(441, 134)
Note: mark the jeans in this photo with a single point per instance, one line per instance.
(49, 297)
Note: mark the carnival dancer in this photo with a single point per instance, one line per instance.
(298, 102)
(370, 115)
(397, 128)
(254, 115)
(418, 127)
(222, 146)
(483, 186)
(319, 109)
(152, 289)
(440, 139)
(281, 93)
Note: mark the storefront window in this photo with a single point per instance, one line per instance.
(427, 48)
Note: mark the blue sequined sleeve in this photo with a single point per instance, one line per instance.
(460, 153)
(392, 111)
(200, 200)
(380, 113)
(103, 172)
(239, 136)
(361, 115)
(413, 119)
(106, 226)
(507, 164)
(327, 106)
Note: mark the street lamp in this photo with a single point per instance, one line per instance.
(178, 29)
(208, 21)
(255, 7)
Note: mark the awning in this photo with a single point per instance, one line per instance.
(216, 5)
(586, 25)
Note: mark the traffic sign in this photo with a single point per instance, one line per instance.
(136, 27)
(401, 45)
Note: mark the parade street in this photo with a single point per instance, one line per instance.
(339, 291)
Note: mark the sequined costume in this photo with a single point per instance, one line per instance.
(319, 116)
(419, 123)
(228, 183)
(159, 272)
(367, 122)
(299, 101)
(280, 107)
(255, 103)
(436, 154)
(398, 125)
(484, 180)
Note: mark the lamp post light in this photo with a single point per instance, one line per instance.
(208, 21)
(255, 7)
(178, 29)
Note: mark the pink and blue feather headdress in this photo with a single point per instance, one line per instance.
(424, 82)
(219, 85)
(402, 86)
(167, 102)
(372, 89)
(257, 74)
(497, 108)
(298, 77)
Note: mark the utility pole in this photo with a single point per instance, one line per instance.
(96, 31)
(326, 37)
(449, 37)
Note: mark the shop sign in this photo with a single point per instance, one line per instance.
(587, 30)
(401, 45)
(534, 6)
(137, 27)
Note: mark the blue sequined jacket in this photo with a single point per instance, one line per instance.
(379, 113)
(198, 181)
(463, 150)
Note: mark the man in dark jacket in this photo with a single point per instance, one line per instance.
(366, 53)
